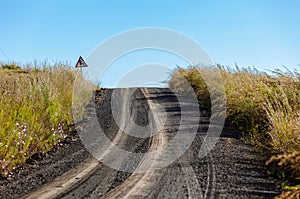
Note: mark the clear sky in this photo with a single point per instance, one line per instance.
(260, 33)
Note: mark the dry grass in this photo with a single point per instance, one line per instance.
(264, 107)
(294, 194)
(35, 111)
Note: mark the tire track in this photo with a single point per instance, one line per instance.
(144, 185)
(211, 179)
(73, 179)
(135, 183)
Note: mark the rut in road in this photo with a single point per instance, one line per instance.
(230, 170)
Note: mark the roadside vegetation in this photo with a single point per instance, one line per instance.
(35, 110)
(265, 108)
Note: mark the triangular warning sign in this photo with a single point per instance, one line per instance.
(81, 63)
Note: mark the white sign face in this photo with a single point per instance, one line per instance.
(81, 63)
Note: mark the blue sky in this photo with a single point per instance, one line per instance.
(264, 34)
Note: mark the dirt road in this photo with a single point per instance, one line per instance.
(230, 170)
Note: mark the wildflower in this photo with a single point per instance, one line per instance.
(23, 130)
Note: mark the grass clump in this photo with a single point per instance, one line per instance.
(264, 107)
(12, 66)
(183, 80)
(35, 111)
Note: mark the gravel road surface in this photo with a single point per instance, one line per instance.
(231, 170)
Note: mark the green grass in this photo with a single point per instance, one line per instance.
(35, 110)
(264, 107)
(10, 66)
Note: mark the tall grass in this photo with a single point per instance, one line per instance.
(35, 110)
(264, 107)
